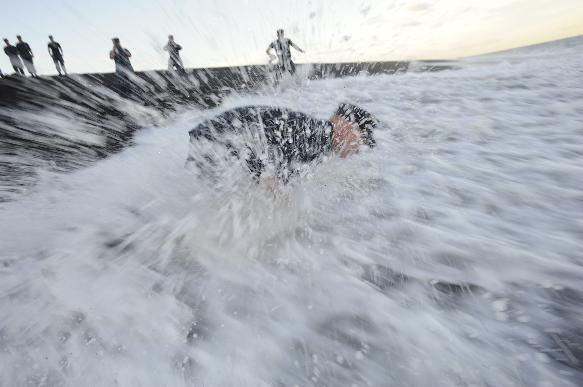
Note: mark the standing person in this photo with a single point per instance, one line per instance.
(56, 52)
(174, 61)
(26, 55)
(121, 56)
(282, 50)
(12, 53)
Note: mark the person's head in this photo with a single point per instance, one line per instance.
(51, 38)
(19, 38)
(280, 33)
(115, 41)
(171, 38)
(351, 127)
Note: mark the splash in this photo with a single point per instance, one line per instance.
(449, 255)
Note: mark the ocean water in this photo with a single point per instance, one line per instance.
(450, 255)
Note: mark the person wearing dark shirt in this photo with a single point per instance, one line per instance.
(282, 47)
(15, 61)
(174, 60)
(56, 52)
(275, 142)
(121, 57)
(26, 55)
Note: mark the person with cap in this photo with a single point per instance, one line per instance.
(15, 61)
(121, 56)
(275, 142)
(282, 47)
(26, 55)
(174, 60)
(56, 52)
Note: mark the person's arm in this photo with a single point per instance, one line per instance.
(270, 184)
(50, 51)
(127, 52)
(165, 48)
(178, 47)
(267, 174)
(296, 46)
(29, 50)
(60, 49)
(112, 54)
(268, 51)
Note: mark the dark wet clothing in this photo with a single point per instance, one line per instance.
(55, 51)
(267, 138)
(24, 51)
(11, 51)
(15, 61)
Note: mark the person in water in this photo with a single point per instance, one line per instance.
(174, 60)
(15, 61)
(56, 52)
(282, 47)
(121, 56)
(275, 142)
(26, 54)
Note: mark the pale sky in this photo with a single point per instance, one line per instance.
(237, 32)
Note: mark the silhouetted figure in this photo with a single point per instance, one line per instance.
(283, 53)
(26, 55)
(174, 61)
(15, 61)
(121, 57)
(56, 52)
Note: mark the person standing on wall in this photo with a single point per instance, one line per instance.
(282, 47)
(15, 61)
(56, 52)
(26, 55)
(121, 56)
(174, 60)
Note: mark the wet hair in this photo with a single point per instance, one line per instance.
(366, 122)
(280, 31)
(18, 37)
(50, 36)
(115, 40)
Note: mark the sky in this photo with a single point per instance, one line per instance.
(217, 33)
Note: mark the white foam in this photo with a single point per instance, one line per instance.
(131, 273)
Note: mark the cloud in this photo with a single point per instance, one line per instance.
(420, 7)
